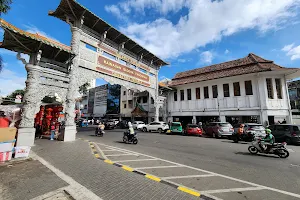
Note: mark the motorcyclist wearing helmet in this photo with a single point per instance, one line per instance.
(268, 141)
(130, 130)
(100, 128)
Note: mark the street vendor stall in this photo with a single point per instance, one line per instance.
(49, 114)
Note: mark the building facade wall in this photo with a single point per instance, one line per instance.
(257, 104)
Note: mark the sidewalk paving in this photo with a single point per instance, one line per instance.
(106, 181)
(30, 179)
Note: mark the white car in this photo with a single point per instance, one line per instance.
(156, 126)
(138, 125)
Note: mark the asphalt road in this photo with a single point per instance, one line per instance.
(217, 156)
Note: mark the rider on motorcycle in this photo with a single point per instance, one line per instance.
(268, 141)
(130, 131)
(100, 127)
(241, 130)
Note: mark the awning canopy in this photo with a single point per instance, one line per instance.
(76, 11)
(21, 41)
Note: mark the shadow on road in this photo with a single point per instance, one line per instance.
(120, 142)
(262, 155)
(228, 141)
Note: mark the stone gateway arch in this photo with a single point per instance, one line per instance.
(97, 50)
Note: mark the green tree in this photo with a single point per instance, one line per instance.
(4, 8)
(48, 99)
(16, 92)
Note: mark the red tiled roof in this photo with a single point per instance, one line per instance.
(249, 64)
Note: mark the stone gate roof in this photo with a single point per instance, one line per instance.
(21, 41)
(75, 10)
(247, 65)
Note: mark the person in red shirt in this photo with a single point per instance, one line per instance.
(4, 121)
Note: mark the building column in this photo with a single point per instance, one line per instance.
(26, 132)
(194, 120)
(289, 117)
(264, 118)
(222, 118)
(156, 115)
(70, 128)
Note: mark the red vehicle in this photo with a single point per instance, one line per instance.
(193, 129)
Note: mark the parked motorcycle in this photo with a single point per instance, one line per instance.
(99, 132)
(278, 149)
(130, 138)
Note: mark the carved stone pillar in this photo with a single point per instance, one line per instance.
(31, 100)
(156, 115)
(70, 129)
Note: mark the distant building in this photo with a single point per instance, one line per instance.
(294, 93)
(139, 106)
(250, 89)
(102, 101)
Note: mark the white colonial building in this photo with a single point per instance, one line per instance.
(250, 89)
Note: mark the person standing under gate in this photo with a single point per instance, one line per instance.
(52, 131)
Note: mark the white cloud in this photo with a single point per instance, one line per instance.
(288, 47)
(206, 57)
(163, 6)
(10, 81)
(33, 29)
(114, 10)
(292, 51)
(227, 51)
(206, 22)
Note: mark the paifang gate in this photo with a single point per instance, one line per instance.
(97, 50)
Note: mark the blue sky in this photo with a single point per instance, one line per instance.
(187, 33)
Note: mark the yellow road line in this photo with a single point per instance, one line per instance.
(97, 155)
(128, 168)
(189, 191)
(154, 178)
(109, 161)
(92, 146)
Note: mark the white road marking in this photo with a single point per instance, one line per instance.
(75, 189)
(123, 155)
(220, 175)
(188, 176)
(158, 167)
(135, 160)
(110, 150)
(233, 190)
(100, 151)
